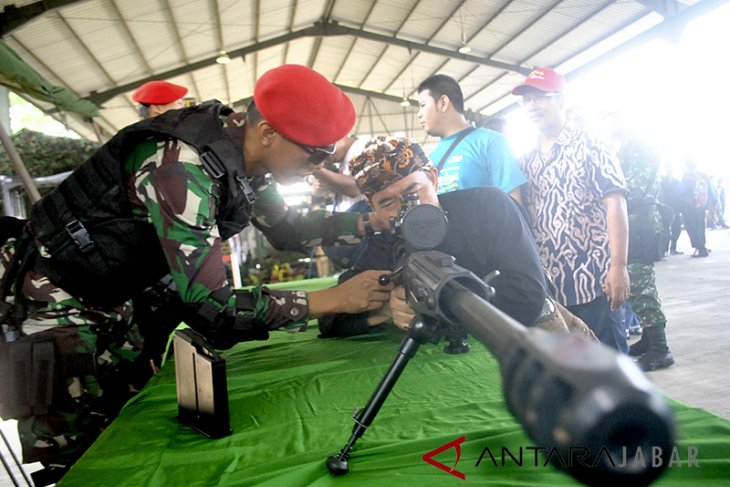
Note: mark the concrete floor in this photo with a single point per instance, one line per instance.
(696, 298)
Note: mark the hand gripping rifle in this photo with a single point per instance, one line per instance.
(569, 393)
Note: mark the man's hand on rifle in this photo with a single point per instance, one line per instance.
(400, 309)
(380, 316)
(360, 293)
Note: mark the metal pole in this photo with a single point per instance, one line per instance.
(15, 459)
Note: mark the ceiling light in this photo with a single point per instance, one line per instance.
(405, 103)
(223, 58)
(464, 49)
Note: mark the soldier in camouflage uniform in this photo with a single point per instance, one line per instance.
(179, 202)
(640, 165)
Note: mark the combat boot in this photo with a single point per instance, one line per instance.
(639, 348)
(657, 355)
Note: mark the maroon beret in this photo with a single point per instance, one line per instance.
(303, 106)
(158, 93)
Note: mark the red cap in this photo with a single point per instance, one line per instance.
(158, 93)
(543, 79)
(303, 106)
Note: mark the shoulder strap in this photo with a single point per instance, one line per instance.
(461, 136)
(221, 158)
(198, 125)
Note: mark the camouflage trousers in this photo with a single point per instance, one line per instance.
(97, 352)
(644, 296)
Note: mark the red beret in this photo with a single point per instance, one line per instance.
(158, 93)
(303, 106)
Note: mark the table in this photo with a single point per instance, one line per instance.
(291, 399)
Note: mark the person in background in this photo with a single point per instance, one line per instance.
(575, 197)
(157, 97)
(640, 165)
(710, 215)
(716, 204)
(695, 191)
(669, 194)
(466, 157)
(720, 210)
(337, 179)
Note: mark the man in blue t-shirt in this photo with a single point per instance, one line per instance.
(479, 157)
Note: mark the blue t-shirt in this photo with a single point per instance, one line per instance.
(482, 158)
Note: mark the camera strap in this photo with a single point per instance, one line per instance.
(456, 141)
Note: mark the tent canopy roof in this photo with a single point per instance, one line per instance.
(376, 50)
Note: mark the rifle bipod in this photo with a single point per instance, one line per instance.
(423, 329)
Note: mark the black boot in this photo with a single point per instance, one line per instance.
(657, 355)
(639, 348)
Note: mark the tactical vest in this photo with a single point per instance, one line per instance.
(96, 249)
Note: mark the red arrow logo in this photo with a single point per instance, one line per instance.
(428, 457)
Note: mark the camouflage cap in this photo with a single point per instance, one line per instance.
(384, 161)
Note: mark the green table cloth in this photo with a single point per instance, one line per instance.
(291, 400)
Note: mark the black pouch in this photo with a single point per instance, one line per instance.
(28, 377)
(109, 264)
(643, 240)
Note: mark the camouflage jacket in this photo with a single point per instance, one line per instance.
(640, 165)
(169, 187)
(176, 203)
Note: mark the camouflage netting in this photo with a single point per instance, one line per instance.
(45, 155)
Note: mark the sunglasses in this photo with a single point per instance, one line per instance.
(317, 155)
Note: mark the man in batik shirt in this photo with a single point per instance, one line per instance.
(575, 196)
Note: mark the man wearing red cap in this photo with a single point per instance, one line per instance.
(157, 97)
(159, 198)
(576, 198)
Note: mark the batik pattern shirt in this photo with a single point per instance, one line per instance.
(564, 198)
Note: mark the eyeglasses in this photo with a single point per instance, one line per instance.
(317, 155)
(537, 97)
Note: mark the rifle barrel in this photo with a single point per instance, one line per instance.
(572, 395)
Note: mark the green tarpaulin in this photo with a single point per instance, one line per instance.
(17, 75)
(291, 401)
